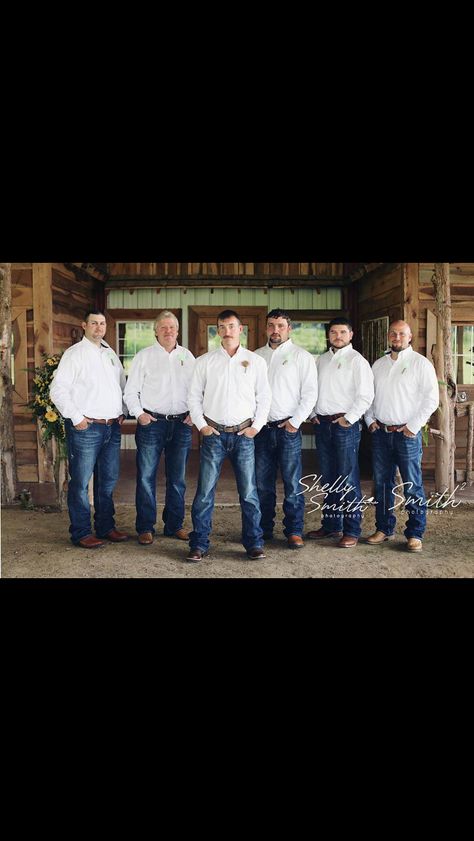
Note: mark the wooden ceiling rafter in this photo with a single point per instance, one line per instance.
(88, 271)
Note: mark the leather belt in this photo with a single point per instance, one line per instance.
(108, 422)
(181, 417)
(221, 428)
(390, 427)
(330, 418)
(277, 423)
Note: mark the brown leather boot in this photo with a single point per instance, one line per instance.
(295, 541)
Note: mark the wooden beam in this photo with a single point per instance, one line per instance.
(8, 454)
(43, 343)
(227, 281)
(410, 299)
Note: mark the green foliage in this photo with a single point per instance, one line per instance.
(41, 406)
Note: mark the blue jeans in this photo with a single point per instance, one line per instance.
(241, 452)
(389, 450)
(175, 438)
(276, 447)
(338, 452)
(95, 450)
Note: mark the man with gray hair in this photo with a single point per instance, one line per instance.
(157, 395)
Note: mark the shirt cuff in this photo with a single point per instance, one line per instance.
(77, 418)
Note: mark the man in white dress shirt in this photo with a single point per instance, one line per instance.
(294, 384)
(157, 395)
(406, 395)
(229, 402)
(87, 389)
(346, 390)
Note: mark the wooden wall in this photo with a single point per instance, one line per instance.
(24, 354)
(380, 293)
(405, 290)
(48, 303)
(462, 301)
(71, 299)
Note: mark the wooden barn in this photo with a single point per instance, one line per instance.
(48, 301)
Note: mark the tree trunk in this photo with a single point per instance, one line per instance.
(443, 357)
(8, 454)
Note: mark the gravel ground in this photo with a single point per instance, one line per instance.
(35, 544)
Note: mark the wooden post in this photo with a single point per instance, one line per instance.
(410, 300)
(445, 443)
(8, 454)
(43, 333)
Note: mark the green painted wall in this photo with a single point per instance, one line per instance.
(297, 299)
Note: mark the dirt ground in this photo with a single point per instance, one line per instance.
(35, 544)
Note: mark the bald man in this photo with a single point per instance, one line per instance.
(406, 395)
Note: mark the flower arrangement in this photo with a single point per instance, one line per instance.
(51, 421)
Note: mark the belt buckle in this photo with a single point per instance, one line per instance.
(167, 417)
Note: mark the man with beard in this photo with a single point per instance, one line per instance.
(346, 390)
(294, 383)
(406, 395)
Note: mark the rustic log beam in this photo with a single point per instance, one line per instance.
(443, 358)
(87, 271)
(8, 453)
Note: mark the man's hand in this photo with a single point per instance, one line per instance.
(206, 431)
(315, 420)
(188, 421)
(342, 422)
(373, 426)
(287, 425)
(121, 419)
(145, 419)
(249, 432)
(83, 424)
(407, 432)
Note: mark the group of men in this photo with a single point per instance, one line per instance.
(248, 406)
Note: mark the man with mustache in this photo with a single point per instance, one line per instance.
(229, 400)
(406, 395)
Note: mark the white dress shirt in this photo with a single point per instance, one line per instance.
(88, 382)
(159, 381)
(406, 390)
(230, 389)
(345, 384)
(293, 380)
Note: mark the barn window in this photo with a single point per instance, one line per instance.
(463, 353)
(133, 336)
(310, 335)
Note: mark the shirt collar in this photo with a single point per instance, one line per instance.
(341, 351)
(285, 346)
(403, 354)
(237, 352)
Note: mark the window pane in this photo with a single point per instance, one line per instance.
(132, 337)
(310, 335)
